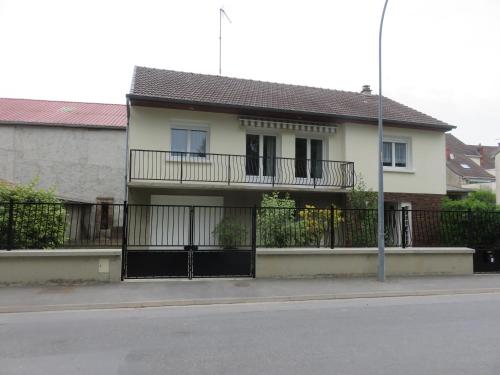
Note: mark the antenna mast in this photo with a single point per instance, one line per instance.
(221, 12)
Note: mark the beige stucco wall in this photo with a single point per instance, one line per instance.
(150, 130)
(60, 266)
(363, 262)
(428, 165)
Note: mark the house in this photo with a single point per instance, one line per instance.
(75, 148)
(469, 167)
(197, 139)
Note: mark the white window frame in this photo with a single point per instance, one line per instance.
(190, 126)
(308, 138)
(261, 134)
(409, 159)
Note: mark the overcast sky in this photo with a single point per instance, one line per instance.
(441, 57)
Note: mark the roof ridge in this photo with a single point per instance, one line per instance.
(62, 101)
(248, 80)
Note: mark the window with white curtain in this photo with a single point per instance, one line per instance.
(396, 154)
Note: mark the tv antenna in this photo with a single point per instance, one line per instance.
(222, 12)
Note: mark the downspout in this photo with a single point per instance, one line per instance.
(126, 150)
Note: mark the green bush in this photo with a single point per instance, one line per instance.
(276, 221)
(229, 233)
(361, 222)
(315, 224)
(38, 220)
(473, 221)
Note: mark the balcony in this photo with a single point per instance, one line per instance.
(185, 167)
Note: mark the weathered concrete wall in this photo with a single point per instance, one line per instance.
(80, 163)
(363, 262)
(61, 265)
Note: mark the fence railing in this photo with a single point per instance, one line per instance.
(238, 169)
(54, 225)
(57, 225)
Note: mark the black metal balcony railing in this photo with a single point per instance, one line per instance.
(238, 169)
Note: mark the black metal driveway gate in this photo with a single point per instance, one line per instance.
(188, 242)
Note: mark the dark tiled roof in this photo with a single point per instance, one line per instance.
(194, 88)
(459, 147)
(47, 112)
(458, 157)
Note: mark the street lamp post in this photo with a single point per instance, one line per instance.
(381, 240)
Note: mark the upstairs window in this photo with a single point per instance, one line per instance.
(189, 141)
(395, 154)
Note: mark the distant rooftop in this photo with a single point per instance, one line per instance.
(150, 84)
(61, 113)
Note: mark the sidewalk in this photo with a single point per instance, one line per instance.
(154, 293)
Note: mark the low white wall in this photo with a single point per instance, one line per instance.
(61, 265)
(363, 262)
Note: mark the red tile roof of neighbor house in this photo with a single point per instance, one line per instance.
(202, 89)
(61, 113)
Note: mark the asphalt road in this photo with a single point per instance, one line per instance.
(409, 335)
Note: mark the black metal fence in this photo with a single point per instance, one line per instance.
(238, 169)
(57, 225)
(49, 225)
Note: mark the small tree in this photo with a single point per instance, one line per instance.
(38, 217)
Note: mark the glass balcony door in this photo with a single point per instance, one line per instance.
(308, 158)
(260, 156)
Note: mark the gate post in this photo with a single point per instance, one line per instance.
(10, 226)
(332, 226)
(191, 242)
(404, 228)
(124, 239)
(254, 239)
(469, 228)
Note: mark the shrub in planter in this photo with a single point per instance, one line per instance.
(229, 233)
(38, 217)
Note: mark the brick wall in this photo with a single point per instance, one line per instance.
(418, 201)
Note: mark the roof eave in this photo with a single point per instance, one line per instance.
(131, 96)
(64, 125)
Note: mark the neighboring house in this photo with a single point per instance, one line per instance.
(198, 139)
(469, 167)
(76, 148)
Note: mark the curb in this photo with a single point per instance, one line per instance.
(245, 300)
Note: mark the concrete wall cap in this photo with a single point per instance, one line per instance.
(365, 251)
(61, 253)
